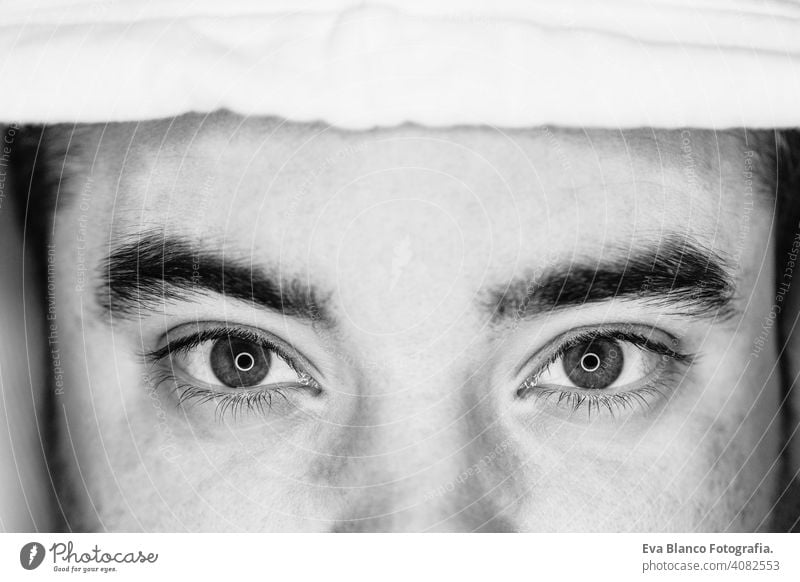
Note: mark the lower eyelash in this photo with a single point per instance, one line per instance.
(575, 401)
(643, 397)
(234, 403)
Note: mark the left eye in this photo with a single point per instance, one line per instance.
(599, 364)
(608, 369)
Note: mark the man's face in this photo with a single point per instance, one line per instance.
(283, 327)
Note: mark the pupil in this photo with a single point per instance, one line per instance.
(594, 364)
(590, 362)
(245, 362)
(239, 363)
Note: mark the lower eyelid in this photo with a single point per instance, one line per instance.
(646, 397)
(194, 400)
(260, 401)
(643, 398)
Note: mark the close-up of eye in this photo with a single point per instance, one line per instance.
(235, 368)
(606, 370)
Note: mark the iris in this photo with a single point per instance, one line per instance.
(238, 363)
(594, 364)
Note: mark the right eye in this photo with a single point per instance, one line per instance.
(235, 362)
(235, 367)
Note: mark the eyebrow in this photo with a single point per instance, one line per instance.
(677, 274)
(143, 274)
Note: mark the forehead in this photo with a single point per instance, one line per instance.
(298, 194)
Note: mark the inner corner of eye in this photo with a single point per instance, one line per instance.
(528, 385)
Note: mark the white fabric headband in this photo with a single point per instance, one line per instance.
(618, 63)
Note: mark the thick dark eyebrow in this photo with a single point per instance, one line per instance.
(676, 274)
(152, 268)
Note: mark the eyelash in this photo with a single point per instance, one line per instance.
(260, 400)
(642, 396)
(234, 402)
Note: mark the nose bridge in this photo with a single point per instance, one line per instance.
(437, 463)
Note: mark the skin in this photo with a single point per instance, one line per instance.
(418, 426)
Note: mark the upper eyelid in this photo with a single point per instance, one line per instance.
(588, 332)
(285, 350)
(636, 339)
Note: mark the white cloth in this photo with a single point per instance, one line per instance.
(663, 63)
